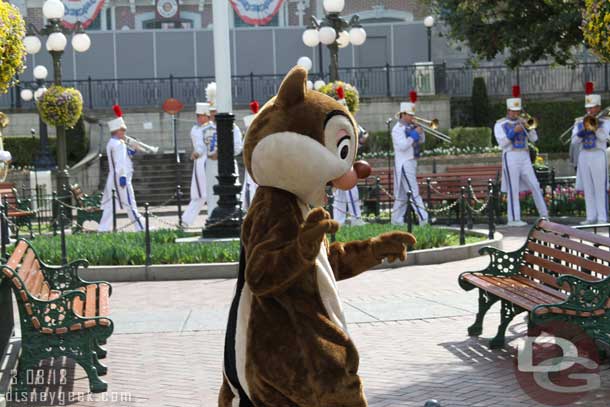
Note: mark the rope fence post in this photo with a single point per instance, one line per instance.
(462, 216)
(4, 231)
(64, 255)
(429, 192)
(490, 210)
(38, 208)
(378, 198)
(147, 234)
(113, 210)
(408, 213)
(553, 208)
(179, 202)
(470, 201)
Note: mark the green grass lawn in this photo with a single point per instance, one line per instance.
(128, 248)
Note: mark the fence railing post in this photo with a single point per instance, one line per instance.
(3, 231)
(171, 86)
(462, 216)
(470, 202)
(113, 210)
(90, 89)
(553, 208)
(64, 255)
(388, 83)
(54, 212)
(490, 210)
(429, 192)
(409, 213)
(179, 202)
(252, 86)
(147, 234)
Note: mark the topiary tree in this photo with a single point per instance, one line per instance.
(480, 103)
(12, 50)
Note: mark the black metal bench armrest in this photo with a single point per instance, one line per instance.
(91, 201)
(66, 277)
(501, 263)
(584, 296)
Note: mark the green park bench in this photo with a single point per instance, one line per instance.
(89, 206)
(60, 315)
(560, 274)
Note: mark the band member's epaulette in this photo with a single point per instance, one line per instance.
(579, 118)
(502, 119)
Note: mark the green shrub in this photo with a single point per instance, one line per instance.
(463, 137)
(77, 142)
(25, 148)
(480, 103)
(377, 142)
(128, 248)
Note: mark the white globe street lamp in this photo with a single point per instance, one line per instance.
(318, 84)
(39, 92)
(334, 6)
(40, 72)
(53, 9)
(429, 23)
(57, 42)
(26, 94)
(32, 44)
(305, 62)
(81, 42)
(327, 35)
(311, 37)
(357, 36)
(343, 40)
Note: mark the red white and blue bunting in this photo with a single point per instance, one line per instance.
(256, 12)
(85, 11)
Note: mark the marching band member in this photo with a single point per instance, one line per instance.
(249, 187)
(120, 173)
(407, 137)
(199, 155)
(210, 138)
(591, 135)
(517, 169)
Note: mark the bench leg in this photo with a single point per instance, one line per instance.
(99, 366)
(486, 300)
(508, 312)
(101, 352)
(86, 361)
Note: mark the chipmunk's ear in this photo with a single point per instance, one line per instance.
(293, 88)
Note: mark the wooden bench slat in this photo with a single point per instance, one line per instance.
(490, 286)
(557, 268)
(27, 265)
(44, 293)
(576, 233)
(104, 299)
(34, 284)
(570, 258)
(17, 255)
(539, 275)
(527, 291)
(77, 306)
(572, 244)
(551, 291)
(91, 302)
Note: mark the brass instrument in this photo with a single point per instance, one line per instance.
(529, 122)
(431, 127)
(138, 145)
(591, 121)
(6, 162)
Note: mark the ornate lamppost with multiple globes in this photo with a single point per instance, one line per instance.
(334, 32)
(44, 160)
(55, 32)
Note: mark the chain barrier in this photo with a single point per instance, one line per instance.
(425, 207)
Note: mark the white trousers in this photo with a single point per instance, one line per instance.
(124, 200)
(345, 202)
(247, 191)
(407, 181)
(192, 211)
(593, 172)
(517, 168)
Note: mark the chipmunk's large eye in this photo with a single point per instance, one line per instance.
(339, 136)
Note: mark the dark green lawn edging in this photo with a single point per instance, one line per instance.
(128, 248)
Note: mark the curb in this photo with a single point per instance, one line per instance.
(205, 271)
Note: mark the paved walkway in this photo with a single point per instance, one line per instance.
(409, 325)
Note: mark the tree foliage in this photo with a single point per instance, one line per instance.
(528, 30)
(596, 27)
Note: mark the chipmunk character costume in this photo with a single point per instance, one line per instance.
(287, 342)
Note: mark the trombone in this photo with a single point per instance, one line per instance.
(529, 122)
(431, 127)
(590, 122)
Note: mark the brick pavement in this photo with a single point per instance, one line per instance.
(409, 325)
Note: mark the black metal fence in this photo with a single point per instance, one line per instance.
(379, 81)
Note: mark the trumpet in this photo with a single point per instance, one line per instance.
(529, 122)
(431, 127)
(591, 121)
(138, 145)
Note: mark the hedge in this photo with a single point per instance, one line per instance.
(554, 117)
(25, 148)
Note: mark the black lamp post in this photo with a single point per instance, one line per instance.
(332, 31)
(429, 23)
(44, 160)
(56, 43)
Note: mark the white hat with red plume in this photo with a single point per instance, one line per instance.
(118, 123)
(591, 100)
(514, 103)
(254, 106)
(408, 107)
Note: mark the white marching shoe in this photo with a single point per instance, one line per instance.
(587, 222)
(357, 222)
